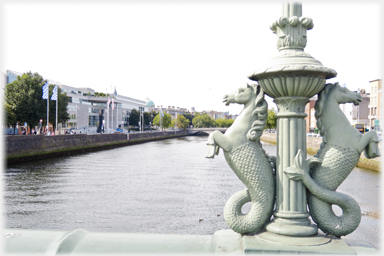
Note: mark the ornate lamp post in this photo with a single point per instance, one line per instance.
(291, 78)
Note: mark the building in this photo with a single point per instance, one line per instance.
(172, 110)
(375, 105)
(216, 115)
(310, 119)
(91, 111)
(360, 112)
(12, 76)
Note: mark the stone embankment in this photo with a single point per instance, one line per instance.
(24, 148)
(313, 144)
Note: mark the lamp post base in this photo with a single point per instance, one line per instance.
(292, 227)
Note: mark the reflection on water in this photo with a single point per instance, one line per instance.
(157, 187)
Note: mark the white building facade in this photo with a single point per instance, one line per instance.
(91, 113)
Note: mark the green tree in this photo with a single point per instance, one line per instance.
(271, 119)
(167, 120)
(189, 116)
(100, 94)
(229, 122)
(147, 117)
(10, 116)
(220, 122)
(182, 122)
(134, 117)
(203, 120)
(153, 113)
(223, 122)
(24, 96)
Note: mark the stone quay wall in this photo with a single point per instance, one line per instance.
(23, 148)
(313, 144)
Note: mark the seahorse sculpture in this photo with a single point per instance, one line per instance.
(246, 157)
(338, 154)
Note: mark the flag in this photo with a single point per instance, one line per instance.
(113, 103)
(54, 93)
(162, 114)
(108, 103)
(45, 91)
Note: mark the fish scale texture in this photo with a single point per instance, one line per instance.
(251, 165)
(337, 164)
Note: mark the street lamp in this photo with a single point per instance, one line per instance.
(129, 113)
(150, 123)
(141, 120)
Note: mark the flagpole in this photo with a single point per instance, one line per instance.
(57, 103)
(46, 96)
(48, 110)
(107, 123)
(113, 106)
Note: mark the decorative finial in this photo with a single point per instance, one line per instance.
(291, 28)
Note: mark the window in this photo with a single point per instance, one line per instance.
(93, 121)
(71, 108)
(100, 104)
(72, 124)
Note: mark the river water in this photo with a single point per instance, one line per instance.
(157, 187)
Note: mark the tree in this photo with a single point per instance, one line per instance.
(134, 117)
(153, 113)
(189, 116)
(10, 116)
(229, 122)
(271, 119)
(24, 97)
(147, 117)
(220, 122)
(182, 122)
(167, 120)
(100, 94)
(203, 121)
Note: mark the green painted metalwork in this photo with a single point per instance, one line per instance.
(291, 78)
(244, 154)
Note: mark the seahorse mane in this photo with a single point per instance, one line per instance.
(261, 112)
(319, 106)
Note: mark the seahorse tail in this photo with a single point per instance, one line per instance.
(241, 223)
(329, 222)
(320, 204)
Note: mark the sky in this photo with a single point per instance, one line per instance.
(181, 53)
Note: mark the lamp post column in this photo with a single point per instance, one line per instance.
(291, 78)
(291, 215)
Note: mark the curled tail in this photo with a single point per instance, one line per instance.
(241, 223)
(331, 224)
(321, 200)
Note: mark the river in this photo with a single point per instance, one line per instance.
(157, 187)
